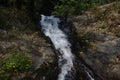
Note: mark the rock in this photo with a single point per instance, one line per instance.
(101, 29)
(44, 55)
(18, 34)
(83, 20)
(23, 48)
(114, 71)
(33, 45)
(3, 32)
(5, 45)
(109, 47)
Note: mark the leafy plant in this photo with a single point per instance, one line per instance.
(15, 63)
(103, 25)
(75, 7)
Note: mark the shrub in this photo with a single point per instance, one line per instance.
(14, 64)
(75, 7)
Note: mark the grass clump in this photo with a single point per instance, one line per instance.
(13, 65)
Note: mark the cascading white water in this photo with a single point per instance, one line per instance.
(59, 39)
(91, 78)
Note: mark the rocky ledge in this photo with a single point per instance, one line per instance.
(100, 27)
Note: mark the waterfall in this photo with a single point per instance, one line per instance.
(59, 39)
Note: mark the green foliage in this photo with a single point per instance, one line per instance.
(17, 20)
(63, 10)
(70, 7)
(13, 64)
(17, 63)
(3, 19)
(64, 7)
(61, 7)
(75, 7)
(116, 31)
(103, 25)
(3, 76)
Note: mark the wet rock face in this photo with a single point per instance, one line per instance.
(103, 53)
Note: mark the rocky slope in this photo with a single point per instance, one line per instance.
(18, 36)
(100, 27)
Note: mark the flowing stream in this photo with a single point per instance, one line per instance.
(59, 39)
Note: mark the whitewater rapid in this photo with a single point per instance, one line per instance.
(59, 39)
(50, 27)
